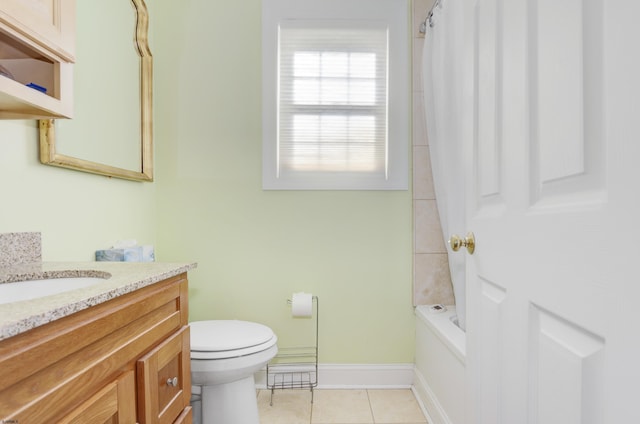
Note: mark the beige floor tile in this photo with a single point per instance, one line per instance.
(289, 407)
(341, 407)
(395, 407)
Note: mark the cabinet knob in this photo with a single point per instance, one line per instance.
(173, 382)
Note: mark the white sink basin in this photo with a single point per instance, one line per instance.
(33, 289)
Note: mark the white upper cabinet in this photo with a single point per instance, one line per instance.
(50, 23)
(37, 51)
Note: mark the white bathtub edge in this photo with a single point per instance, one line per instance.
(441, 325)
(440, 373)
(428, 401)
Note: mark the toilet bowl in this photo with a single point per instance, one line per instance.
(225, 354)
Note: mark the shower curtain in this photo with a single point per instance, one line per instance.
(446, 96)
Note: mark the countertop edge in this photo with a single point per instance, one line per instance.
(123, 278)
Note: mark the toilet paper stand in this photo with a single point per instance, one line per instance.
(295, 367)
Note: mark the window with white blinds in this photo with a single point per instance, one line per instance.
(332, 97)
(328, 125)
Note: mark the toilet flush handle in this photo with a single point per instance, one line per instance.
(173, 382)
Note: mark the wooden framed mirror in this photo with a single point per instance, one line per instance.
(111, 133)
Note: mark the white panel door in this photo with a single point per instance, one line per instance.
(553, 197)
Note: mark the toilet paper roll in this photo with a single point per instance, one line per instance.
(301, 305)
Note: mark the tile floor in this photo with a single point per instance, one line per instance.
(340, 407)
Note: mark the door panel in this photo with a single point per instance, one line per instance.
(552, 286)
(556, 54)
(565, 102)
(566, 371)
(490, 350)
(488, 137)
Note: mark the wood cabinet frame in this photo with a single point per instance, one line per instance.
(51, 372)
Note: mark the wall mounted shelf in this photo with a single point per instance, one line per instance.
(37, 42)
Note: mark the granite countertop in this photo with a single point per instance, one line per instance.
(120, 278)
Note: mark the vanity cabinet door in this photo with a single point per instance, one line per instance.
(115, 403)
(164, 381)
(186, 417)
(49, 23)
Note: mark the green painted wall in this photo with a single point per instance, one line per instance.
(76, 212)
(254, 248)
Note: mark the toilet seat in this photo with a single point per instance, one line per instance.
(223, 339)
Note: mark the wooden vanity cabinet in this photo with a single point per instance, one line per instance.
(112, 404)
(123, 361)
(164, 380)
(37, 45)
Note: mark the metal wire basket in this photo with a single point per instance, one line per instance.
(295, 367)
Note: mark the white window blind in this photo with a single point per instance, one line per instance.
(335, 94)
(332, 97)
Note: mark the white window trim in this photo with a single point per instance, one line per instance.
(393, 12)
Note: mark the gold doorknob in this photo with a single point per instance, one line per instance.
(456, 242)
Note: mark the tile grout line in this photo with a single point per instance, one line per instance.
(311, 409)
(373, 418)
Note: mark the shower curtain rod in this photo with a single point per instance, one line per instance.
(423, 25)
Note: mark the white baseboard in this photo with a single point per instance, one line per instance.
(428, 401)
(357, 376)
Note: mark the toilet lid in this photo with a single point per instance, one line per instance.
(229, 338)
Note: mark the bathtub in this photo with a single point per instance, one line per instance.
(439, 380)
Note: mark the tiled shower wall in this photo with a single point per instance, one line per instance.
(431, 279)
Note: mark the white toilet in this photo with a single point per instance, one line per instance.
(224, 357)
